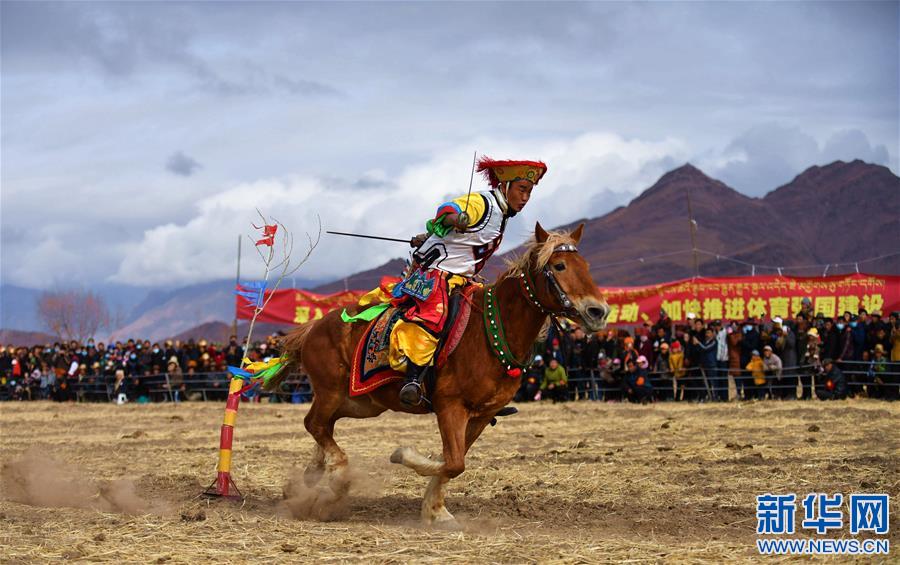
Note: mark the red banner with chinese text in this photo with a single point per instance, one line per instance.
(724, 298)
(737, 298)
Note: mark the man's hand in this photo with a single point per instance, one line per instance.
(459, 222)
(418, 240)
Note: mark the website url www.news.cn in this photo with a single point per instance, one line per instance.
(823, 546)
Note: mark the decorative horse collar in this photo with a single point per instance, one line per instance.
(493, 326)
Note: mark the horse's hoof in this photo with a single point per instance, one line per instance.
(312, 475)
(397, 456)
(446, 524)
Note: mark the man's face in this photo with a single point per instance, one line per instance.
(518, 194)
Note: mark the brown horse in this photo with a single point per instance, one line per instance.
(470, 388)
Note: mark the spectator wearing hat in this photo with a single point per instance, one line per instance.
(629, 353)
(811, 363)
(880, 384)
(757, 371)
(612, 375)
(555, 383)
(120, 387)
(662, 378)
(779, 387)
(832, 385)
(676, 366)
(555, 351)
(644, 344)
(637, 387)
(531, 384)
(175, 379)
(665, 324)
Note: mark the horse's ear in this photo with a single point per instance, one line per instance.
(576, 235)
(540, 234)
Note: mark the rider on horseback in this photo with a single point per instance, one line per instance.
(461, 237)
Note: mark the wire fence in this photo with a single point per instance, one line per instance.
(696, 384)
(722, 383)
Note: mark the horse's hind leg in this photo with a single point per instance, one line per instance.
(315, 468)
(319, 423)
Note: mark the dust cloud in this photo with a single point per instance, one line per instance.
(38, 479)
(329, 498)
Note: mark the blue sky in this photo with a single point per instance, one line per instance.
(137, 138)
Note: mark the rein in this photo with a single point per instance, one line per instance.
(494, 326)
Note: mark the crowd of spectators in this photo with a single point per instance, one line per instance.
(809, 356)
(132, 369)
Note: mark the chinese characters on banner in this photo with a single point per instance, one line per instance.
(733, 298)
(739, 298)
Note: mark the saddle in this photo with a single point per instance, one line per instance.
(371, 367)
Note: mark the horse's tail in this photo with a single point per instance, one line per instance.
(292, 348)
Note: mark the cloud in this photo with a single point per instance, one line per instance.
(589, 175)
(771, 154)
(130, 40)
(182, 165)
(374, 107)
(851, 144)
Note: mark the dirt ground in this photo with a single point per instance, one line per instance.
(578, 482)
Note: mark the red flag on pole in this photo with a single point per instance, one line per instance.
(268, 235)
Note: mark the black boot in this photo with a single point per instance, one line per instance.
(411, 393)
(505, 411)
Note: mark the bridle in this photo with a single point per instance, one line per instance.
(568, 307)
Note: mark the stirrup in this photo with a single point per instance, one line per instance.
(408, 391)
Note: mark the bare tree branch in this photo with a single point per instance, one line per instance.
(283, 265)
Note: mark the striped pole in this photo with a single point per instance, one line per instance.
(224, 484)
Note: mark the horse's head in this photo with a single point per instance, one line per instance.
(558, 280)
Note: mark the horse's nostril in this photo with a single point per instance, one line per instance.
(597, 313)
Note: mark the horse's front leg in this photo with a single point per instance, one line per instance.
(452, 422)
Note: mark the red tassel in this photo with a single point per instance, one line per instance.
(514, 373)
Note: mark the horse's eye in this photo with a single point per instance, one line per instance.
(560, 266)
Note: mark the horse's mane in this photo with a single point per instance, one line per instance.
(537, 255)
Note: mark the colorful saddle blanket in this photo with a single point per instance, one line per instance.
(371, 366)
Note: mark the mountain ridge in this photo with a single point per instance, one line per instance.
(842, 211)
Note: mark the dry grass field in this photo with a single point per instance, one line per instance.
(572, 483)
